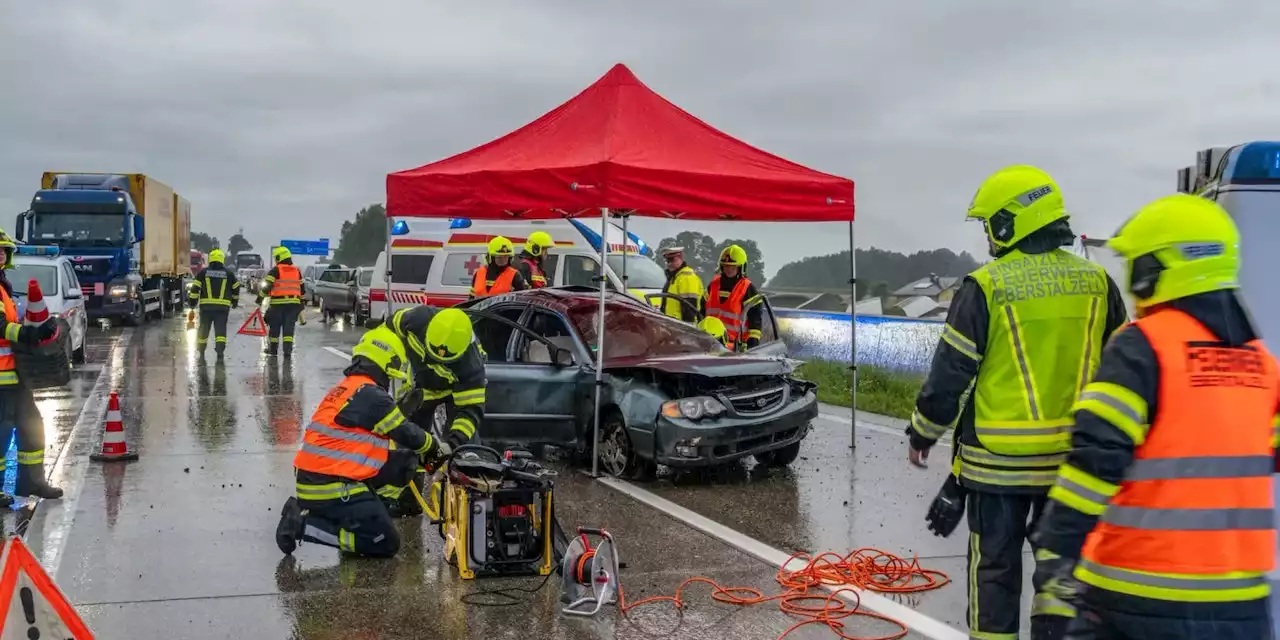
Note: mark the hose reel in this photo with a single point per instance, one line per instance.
(589, 573)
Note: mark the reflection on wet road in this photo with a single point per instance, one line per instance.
(179, 544)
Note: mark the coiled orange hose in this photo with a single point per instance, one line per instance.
(865, 568)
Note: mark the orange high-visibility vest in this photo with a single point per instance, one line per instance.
(537, 277)
(728, 310)
(335, 450)
(482, 286)
(8, 364)
(289, 282)
(1197, 499)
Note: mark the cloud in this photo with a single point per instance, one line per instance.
(284, 118)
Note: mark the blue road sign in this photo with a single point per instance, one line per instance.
(307, 247)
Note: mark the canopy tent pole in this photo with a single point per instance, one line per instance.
(386, 317)
(625, 239)
(603, 282)
(853, 341)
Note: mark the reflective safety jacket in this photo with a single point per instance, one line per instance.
(283, 283)
(506, 280)
(12, 326)
(1165, 497)
(685, 285)
(735, 302)
(215, 287)
(531, 268)
(348, 440)
(1023, 335)
(461, 380)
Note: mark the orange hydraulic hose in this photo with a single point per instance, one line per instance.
(865, 568)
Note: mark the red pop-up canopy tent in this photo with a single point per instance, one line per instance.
(618, 148)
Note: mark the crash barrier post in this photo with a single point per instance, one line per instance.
(114, 447)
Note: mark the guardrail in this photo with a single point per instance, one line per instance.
(905, 344)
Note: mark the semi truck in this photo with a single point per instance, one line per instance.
(128, 237)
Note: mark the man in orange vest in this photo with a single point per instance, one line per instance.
(498, 275)
(733, 299)
(533, 257)
(1160, 522)
(18, 408)
(357, 442)
(284, 286)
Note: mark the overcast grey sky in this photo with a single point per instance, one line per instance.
(285, 118)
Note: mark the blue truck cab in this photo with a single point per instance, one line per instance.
(97, 221)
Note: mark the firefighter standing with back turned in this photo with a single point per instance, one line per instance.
(448, 370)
(1023, 336)
(215, 291)
(533, 257)
(498, 275)
(684, 288)
(1161, 518)
(18, 408)
(348, 453)
(284, 286)
(731, 296)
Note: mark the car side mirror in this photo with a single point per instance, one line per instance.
(19, 227)
(563, 358)
(72, 295)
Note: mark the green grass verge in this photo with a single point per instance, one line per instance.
(891, 393)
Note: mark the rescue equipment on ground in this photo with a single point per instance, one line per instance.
(114, 447)
(34, 607)
(589, 573)
(253, 325)
(496, 514)
(44, 365)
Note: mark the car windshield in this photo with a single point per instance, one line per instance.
(79, 229)
(642, 273)
(632, 331)
(21, 275)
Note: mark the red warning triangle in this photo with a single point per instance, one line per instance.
(254, 326)
(34, 607)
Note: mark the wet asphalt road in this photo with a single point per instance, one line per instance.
(179, 544)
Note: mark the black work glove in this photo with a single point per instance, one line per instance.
(1053, 577)
(257, 302)
(947, 508)
(456, 439)
(410, 401)
(439, 452)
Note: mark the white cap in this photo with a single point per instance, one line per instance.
(670, 250)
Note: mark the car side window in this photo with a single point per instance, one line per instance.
(69, 279)
(768, 326)
(581, 270)
(549, 264)
(494, 335)
(550, 326)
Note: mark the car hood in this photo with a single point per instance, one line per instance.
(714, 365)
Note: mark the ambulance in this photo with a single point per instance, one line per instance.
(434, 261)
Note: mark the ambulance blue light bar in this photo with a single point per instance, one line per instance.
(593, 238)
(460, 223)
(51, 251)
(400, 228)
(1253, 163)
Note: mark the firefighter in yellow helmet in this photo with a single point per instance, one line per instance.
(714, 327)
(534, 257)
(448, 371)
(18, 408)
(684, 288)
(733, 298)
(215, 291)
(283, 284)
(1023, 335)
(498, 274)
(358, 441)
(1160, 522)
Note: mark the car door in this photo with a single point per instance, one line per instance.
(528, 398)
(73, 302)
(771, 343)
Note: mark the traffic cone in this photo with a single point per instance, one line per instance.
(114, 448)
(191, 319)
(37, 310)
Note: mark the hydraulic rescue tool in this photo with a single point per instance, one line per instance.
(496, 514)
(589, 573)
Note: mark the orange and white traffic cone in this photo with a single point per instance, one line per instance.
(37, 311)
(191, 319)
(114, 448)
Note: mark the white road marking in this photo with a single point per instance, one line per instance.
(878, 428)
(915, 620)
(63, 512)
(338, 352)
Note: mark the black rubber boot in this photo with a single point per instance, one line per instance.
(289, 529)
(31, 482)
(6, 500)
(288, 350)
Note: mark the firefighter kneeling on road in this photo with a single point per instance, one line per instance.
(448, 371)
(498, 275)
(283, 284)
(357, 442)
(18, 408)
(215, 291)
(1161, 519)
(1023, 335)
(731, 296)
(533, 257)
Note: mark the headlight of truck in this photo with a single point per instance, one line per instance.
(119, 290)
(694, 408)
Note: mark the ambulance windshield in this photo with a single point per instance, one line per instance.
(642, 272)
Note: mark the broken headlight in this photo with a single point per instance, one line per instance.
(694, 408)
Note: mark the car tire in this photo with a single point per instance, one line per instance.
(618, 457)
(138, 317)
(779, 457)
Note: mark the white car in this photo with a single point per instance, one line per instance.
(61, 288)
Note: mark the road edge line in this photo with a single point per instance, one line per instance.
(54, 539)
(916, 621)
(338, 352)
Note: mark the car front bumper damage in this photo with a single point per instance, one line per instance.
(684, 443)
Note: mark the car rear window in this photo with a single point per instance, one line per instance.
(410, 268)
(336, 275)
(635, 332)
